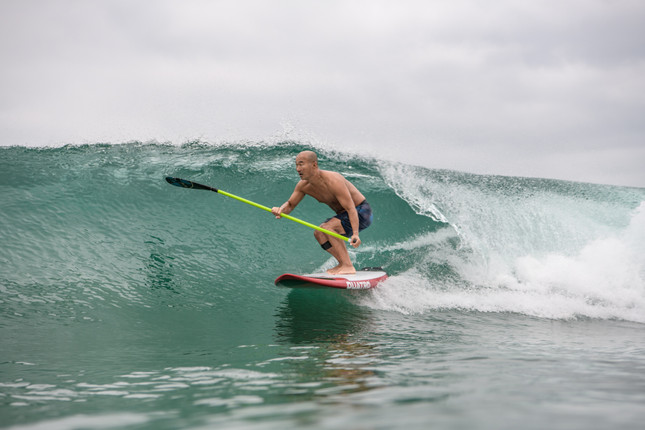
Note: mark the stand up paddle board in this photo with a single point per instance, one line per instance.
(364, 279)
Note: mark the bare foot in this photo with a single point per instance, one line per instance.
(333, 270)
(342, 270)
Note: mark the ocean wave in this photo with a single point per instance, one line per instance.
(96, 225)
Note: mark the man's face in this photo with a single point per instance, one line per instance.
(304, 167)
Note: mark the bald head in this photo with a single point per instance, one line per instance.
(309, 156)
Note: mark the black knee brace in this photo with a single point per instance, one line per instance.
(326, 245)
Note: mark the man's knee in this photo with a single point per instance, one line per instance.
(327, 224)
(319, 235)
(334, 225)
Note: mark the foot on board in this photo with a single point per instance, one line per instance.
(342, 270)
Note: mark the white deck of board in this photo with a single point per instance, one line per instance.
(359, 276)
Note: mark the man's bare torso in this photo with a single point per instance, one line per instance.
(323, 193)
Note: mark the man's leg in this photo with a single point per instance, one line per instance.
(336, 247)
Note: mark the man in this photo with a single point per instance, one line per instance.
(353, 213)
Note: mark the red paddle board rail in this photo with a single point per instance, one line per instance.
(363, 280)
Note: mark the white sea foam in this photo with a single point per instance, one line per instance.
(551, 254)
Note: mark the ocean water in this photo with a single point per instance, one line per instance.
(128, 303)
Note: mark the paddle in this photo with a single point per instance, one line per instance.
(178, 182)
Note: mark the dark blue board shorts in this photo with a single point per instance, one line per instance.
(365, 218)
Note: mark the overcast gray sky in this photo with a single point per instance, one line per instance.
(526, 88)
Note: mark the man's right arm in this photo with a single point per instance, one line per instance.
(290, 204)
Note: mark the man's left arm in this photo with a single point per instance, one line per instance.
(355, 241)
(345, 199)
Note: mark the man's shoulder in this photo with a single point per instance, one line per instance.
(305, 186)
(332, 176)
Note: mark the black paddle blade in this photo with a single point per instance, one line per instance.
(178, 182)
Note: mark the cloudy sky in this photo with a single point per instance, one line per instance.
(549, 89)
